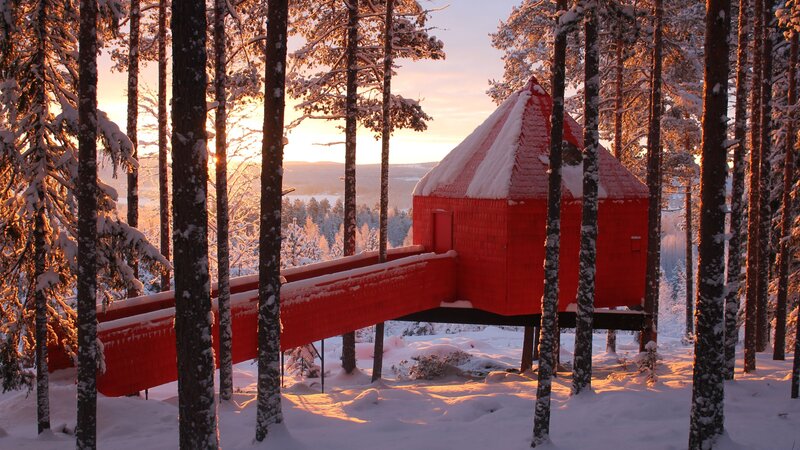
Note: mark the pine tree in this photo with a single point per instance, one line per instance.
(765, 155)
(349, 339)
(320, 68)
(221, 169)
(39, 214)
(163, 168)
(269, 390)
(654, 150)
(388, 36)
(367, 239)
(341, 38)
(86, 429)
(620, 53)
(133, 120)
(582, 372)
(786, 217)
(753, 246)
(707, 417)
(796, 364)
(337, 247)
(196, 404)
(39, 96)
(689, 263)
(549, 326)
(301, 361)
(298, 246)
(732, 295)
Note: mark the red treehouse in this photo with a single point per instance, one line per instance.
(479, 224)
(487, 200)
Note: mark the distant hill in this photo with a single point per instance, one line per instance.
(317, 179)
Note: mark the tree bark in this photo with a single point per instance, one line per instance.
(133, 119)
(754, 196)
(753, 246)
(548, 326)
(786, 215)
(765, 213)
(611, 336)
(582, 368)
(737, 196)
(269, 259)
(86, 429)
(708, 388)
(652, 278)
(350, 131)
(386, 132)
(689, 263)
(196, 405)
(221, 166)
(163, 168)
(39, 96)
(618, 100)
(796, 365)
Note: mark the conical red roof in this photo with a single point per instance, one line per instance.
(506, 157)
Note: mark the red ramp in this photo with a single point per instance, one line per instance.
(318, 301)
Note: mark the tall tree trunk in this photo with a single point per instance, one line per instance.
(133, 119)
(689, 263)
(39, 227)
(196, 405)
(548, 326)
(582, 371)
(737, 196)
(86, 430)
(611, 336)
(786, 215)
(618, 100)
(163, 167)
(349, 339)
(708, 388)
(796, 364)
(753, 193)
(386, 132)
(221, 165)
(650, 332)
(269, 257)
(765, 212)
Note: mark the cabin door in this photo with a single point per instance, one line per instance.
(442, 231)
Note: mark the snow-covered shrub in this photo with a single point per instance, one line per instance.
(457, 328)
(301, 361)
(646, 361)
(672, 304)
(366, 334)
(419, 329)
(431, 367)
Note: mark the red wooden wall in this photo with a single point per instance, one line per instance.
(480, 237)
(500, 246)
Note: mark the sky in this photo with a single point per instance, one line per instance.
(452, 91)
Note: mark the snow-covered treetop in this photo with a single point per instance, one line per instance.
(317, 70)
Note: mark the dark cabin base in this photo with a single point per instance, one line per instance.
(603, 319)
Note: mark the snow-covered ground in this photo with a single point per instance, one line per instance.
(463, 410)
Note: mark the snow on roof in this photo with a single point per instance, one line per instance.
(506, 157)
